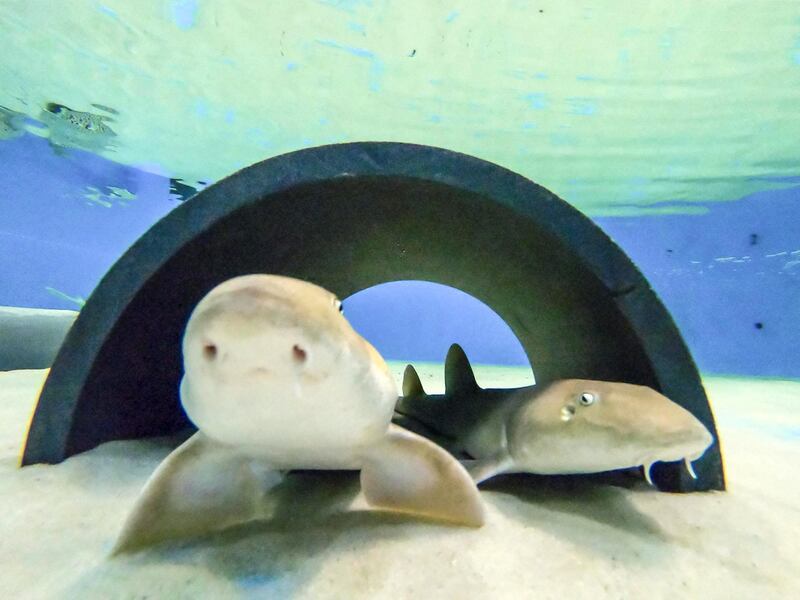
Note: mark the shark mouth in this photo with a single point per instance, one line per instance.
(649, 465)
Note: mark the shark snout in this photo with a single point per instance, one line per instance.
(694, 439)
(254, 355)
(680, 437)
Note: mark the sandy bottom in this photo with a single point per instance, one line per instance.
(559, 540)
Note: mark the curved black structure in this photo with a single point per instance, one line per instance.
(349, 217)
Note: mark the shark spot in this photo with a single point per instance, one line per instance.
(210, 351)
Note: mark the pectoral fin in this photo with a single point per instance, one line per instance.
(486, 468)
(410, 474)
(201, 487)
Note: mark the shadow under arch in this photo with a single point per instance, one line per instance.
(349, 217)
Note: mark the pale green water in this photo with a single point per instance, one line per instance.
(618, 109)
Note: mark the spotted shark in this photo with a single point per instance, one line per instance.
(571, 426)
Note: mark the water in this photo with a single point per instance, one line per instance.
(681, 146)
(673, 127)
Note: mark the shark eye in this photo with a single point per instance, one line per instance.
(586, 399)
(338, 304)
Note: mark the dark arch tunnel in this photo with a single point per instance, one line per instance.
(348, 217)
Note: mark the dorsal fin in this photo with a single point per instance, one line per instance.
(412, 386)
(458, 375)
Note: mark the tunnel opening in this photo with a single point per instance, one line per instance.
(415, 322)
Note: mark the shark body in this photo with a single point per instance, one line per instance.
(567, 427)
(277, 379)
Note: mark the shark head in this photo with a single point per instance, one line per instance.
(268, 357)
(584, 426)
(276, 379)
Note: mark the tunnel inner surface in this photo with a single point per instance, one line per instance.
(349, 217)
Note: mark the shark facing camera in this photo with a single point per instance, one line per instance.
(276, 379)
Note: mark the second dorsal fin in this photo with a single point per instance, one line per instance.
(458, 375)
(412, 386)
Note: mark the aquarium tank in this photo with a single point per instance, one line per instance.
(566, 190)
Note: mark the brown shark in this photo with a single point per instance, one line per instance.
(567, 427)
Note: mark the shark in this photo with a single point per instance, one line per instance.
(276, 379)
(571, 426)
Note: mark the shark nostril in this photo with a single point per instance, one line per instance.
(209, 351)
(298, 354)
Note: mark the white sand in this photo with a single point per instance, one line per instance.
(57, 524)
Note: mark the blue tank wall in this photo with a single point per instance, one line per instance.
(730, 276)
